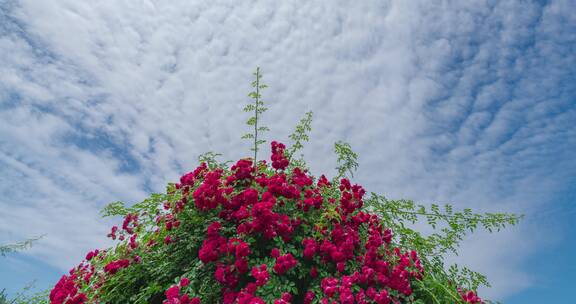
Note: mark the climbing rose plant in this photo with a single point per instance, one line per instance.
(270, 232)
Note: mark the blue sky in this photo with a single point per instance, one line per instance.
(463, 102)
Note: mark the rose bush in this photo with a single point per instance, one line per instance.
(271, 232)
(242, 235)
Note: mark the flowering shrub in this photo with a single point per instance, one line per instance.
(256, 232)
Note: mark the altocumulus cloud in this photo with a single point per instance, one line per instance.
(463, 102)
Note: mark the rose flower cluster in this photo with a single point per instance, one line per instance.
(252, 234)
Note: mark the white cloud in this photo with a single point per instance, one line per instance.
(460, 102)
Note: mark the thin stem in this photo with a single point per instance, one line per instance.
(509, 217)
(256, 122)
(447, 216)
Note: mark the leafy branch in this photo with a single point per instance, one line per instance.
(210, 159)
(22, 245)
(347, 159)
(258, 108)
(449, 226)
(298, 137)
(24, 296)
(115, 209)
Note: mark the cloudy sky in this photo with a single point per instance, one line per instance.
(463, 102)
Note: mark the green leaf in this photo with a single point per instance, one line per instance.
(249, 108)
(251, 121)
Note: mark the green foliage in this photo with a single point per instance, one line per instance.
(300, 134)
(258, 109)
(448, 229)
(22, 297)
(146, 282)
(22, 245)
(299, 137)
(347, 159)
(25, 297)
(210, 159)
(114, 209)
